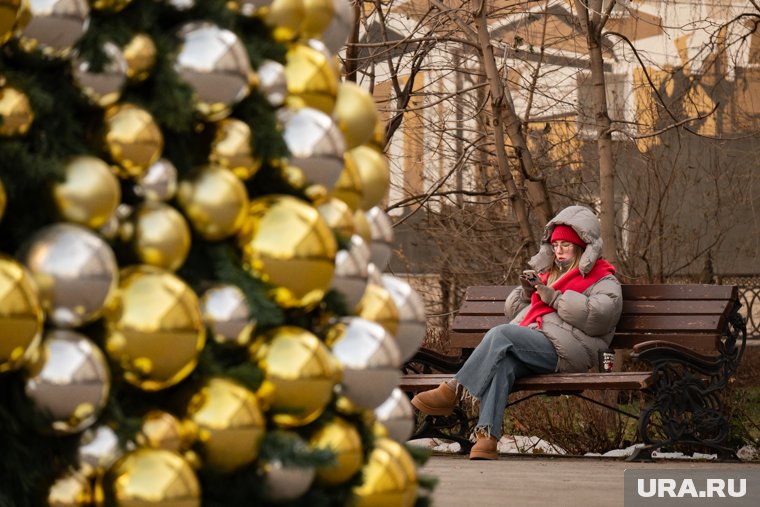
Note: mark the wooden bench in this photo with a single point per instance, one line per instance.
(687, 340)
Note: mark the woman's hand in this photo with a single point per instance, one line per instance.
(548, 295)
(527, 287)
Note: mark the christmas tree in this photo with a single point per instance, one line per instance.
(193, 309)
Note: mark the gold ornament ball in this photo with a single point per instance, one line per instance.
(132, 139)
(227, 315)
(89, 192)
(15, 112)
(231, 148)
(158, 182)
(20, 315)
(317, 16)
(389, 477)
(215, 202)
(378, 306)
(54, 26)
(71, 490)
(109, 5)
(299, 375)
(349, 188)
(9, 15)
(75, 271)
(283, 16)
(69, 382)
(374, 173)
(149, 477)
(355, 113)
(337, 215)
(161, 235)
(102, 88)
(312, 79)
(3, 200)
(154, 328)
(140, 53)
(343, 439)
(162, 430)
(288, 245)
(230, 424)
(98, 448)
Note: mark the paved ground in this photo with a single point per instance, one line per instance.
(537, 481)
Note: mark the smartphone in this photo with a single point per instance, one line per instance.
(531, 276)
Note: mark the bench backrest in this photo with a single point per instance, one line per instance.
(691, 315)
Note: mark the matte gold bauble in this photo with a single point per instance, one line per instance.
(378, 306)
(315, 144)
(317, 15)
(337, 215)
(312, 80)
(20, 315)
(102, 88)
(343, 439)
(230, 424)
(231, 148)
(15, 112)
(154, 328)
(132, 139)
(89, 192)
(75, 271)
(9, 14)
(349, 187)
(215, 202)
(162, 430)
(228, 316)
(389, 477)
(374, 173)
(69, 383)
(54, 26)
(71, 490)
(299, 375)
(149, 477)
(140, 54)
(109, 5)
(98, 448)
(355, 113)
(215, 63)
(288, 245)
(161, 235)
(340, 26)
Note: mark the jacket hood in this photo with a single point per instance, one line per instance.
(586, 224)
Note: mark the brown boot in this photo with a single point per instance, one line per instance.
(484, 448)
(438, 401)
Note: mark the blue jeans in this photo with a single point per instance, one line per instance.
(506, 353)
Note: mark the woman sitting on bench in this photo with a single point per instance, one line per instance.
(562, 315)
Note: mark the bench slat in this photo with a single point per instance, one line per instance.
(641, 307)
(661, 323)
(477, 322)
(550, 382)
(630, 292)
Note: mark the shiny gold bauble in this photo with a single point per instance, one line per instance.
(283, 16)
(89, 192)
(162, 430)
(98, 448)
(230, 424)
(228, 316)
(161, 235)
(355, 113)
(378, 306)
(312, 80)
(337, 215)
(54, 26)
(9, 13)
(299, 375)
(132, 139)
(69, 382)
(231, 148)
(71, 490)
(102, 88)
(389, 477)
(215, 202)
(349, 186)
(374, 173)
(154, 328)
(288, 245)
(343, 439)
(149, 477)
(20, 315)
(215, 63)
(15, 112)
(75, 272)
(3, 200)
(109, 5)
(317, 15)
(140, 54)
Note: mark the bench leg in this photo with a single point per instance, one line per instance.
(455, 427)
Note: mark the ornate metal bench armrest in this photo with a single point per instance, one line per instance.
(658, 351)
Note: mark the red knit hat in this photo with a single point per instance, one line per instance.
(567, 233)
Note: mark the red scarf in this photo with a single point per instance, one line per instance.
(572, 280)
